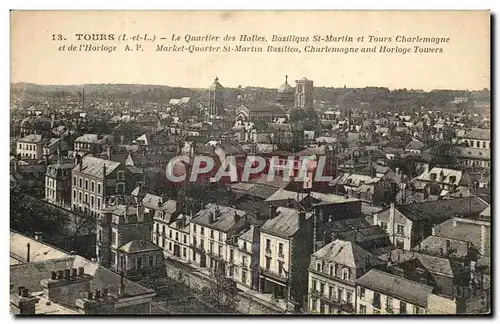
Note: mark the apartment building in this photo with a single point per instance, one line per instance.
(31, 147)
(96, 180)
(285, 250)
(332, 277)
(58, 184)
(210, 230)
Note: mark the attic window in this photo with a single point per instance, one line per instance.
(318, 266)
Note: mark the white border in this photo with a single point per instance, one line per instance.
(188, 4)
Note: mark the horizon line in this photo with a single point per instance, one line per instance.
(252, 86)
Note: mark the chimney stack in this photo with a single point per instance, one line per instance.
(81, 271)
(74, 272)
(24, 302)
(60, 274)
(38, 236)
(20, 290)
(53, 275)
(274, 211)
(67, 274)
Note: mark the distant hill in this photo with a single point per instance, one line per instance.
(374, 98)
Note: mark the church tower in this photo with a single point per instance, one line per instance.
(304, 94)
(215, 98)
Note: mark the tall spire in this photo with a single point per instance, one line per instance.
(286, 79)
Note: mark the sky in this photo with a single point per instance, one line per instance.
(464, 63)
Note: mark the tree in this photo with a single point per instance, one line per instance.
(221, 293)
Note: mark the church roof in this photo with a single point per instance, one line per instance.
(286, 88)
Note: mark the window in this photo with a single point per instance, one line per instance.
(313, 304)
(86, 184)
(92, 201)
(331, 292)
(244, 246)
(114, 239)
(314, 285)
(92, 186)
(400, 229)
(202, 243)
(80, 182)
(194, 228)
(211, 247)
(120, 175)
(151, 261)
(268, 263)
(74, 194)
(244, 276)
(98, 203)
(318, 266)
(211, 234)
(389, 304)
(122, 262)
(477, 144)
(231, 255)
(113, 258)
(202, 231)
(402, 307)
(184, 252)
(169, 234)
(281, 268)
(99, 188)
(157, 228)
(268, 245)
(100, 235)
(220, 236)
(170, 246)
(163, 243)
(361, 292)
(185, 239)
(220, 249)
(346, 275)
(383, 225)
(280, 249)
(417, 310)
(86, 198)
(340, 293)
(74, 181)
(349, 297)
(362, 309)
(331, 270)
(321, 287)
(177, 236)
(400, 243)
(120, 188)
(244, 261)
(376, 300)
(139, 263)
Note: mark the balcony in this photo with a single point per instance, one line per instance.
(273, 275)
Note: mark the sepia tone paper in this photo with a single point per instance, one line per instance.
(250, 162)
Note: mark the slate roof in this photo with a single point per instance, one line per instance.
(446, 208)
(435, 245)
(225, 222)
(136, 246)
(434, 264)
(474, 152)
(478, 134)
(400, 288)
(285, 224)
(32, 138)
(345, 253)
(94, 166)
(39, 251)
(463, 231)
(282, 194)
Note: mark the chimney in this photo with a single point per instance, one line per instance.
(302, 219)
(63, 288)
(274, 211)
(330, 218)
(53, 275)
(28, 253)
(448, 247)
(24, 302)
(211, 217)
(74, 272)
(38, 236)
(108, 152)
(81, 271)
(257, 213)
(236, 217)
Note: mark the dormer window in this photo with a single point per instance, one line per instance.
(318, 266)
(120, 175)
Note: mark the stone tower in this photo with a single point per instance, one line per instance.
(304, 94)
(215, 98)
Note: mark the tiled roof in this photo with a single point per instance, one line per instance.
(431, 263)
(436, 245)
(32, 138)
(400, 288)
